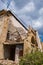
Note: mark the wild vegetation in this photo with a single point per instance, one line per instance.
(32, 59)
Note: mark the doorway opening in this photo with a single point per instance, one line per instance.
(10, 51)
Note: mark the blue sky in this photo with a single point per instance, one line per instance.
(29, 11)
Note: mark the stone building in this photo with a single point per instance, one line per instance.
(15, 39)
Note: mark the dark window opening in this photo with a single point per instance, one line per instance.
(8, 35)
(34, 43)
(33, 40)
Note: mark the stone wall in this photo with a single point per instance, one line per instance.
(1, 51)
(4, 30)
(30, 42)
(27, 46)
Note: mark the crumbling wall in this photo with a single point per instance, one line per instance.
(27, 46)
(30, 42)
(38, 42)
(4, 30)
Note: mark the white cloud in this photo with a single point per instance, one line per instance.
(30, 7)
(37, 24)
(41, 11)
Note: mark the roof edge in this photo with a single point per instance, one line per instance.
(8, 11)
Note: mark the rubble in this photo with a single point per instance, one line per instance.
(7, 62)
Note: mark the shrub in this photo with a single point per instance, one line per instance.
(1, 64)
(32, 59)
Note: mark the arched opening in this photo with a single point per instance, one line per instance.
(33, 40)
(8, 35)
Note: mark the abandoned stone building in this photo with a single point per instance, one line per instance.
(15, 39)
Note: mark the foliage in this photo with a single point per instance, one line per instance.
(35, 58)
(1, 64)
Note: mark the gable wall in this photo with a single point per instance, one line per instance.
(4, 26)
(16, 23)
